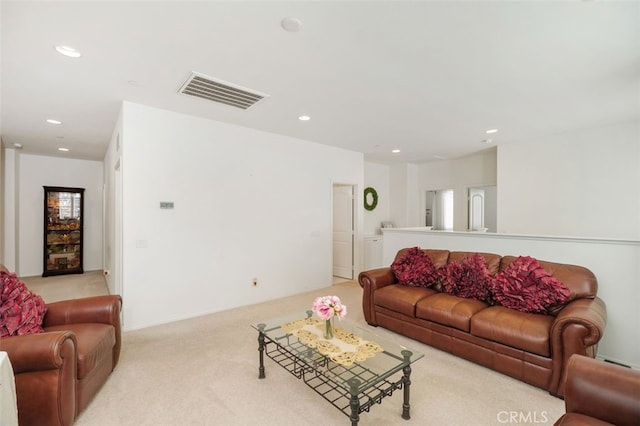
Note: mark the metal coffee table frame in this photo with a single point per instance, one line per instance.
(352, 390)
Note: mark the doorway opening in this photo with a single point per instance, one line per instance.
(343, 232)
(438, 213)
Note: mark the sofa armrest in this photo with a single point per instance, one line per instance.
(577, 329)
(98, 309)
(370, 281)
(602, 390)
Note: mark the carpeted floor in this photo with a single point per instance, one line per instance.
(204, 371)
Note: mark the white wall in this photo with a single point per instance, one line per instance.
(405, 204)
(2, 192)
(10, 209)
(576, 184)
(377, 176)
(112, 253)
(616, 264)
(37, 171)
(2, 155)
(247, 204)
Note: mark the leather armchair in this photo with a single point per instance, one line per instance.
(600, 393)
(58, 372)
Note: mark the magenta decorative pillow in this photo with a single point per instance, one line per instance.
(415, 268)
(470, 278)
(526, 286)
(21, 310)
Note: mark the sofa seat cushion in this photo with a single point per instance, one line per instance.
(449, 310)
(401, 298)
(526, 331)
(95, 343)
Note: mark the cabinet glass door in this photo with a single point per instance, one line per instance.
(63, 230)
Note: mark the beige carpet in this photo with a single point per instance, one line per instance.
(204, 371)
(61, 287)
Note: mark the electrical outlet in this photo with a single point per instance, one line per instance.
(255, 282)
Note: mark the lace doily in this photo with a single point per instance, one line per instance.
(344, 349)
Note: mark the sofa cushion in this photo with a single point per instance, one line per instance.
(401, 298)
(469, 278)
(526, 286)
(526, 331)
(581, 282)
(493, 260)
(449, 310)
(95, 342)
(21, 310)
(414, 268)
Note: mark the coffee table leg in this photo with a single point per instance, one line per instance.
(406, 378)
(261, 350)
(354, 402)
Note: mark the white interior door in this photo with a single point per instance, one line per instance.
(343, 231)
(476, 209)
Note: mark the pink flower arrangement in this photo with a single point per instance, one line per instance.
(328, 306)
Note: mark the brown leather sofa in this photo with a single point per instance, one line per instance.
(533, 348)
(58, 372)
(600, 393)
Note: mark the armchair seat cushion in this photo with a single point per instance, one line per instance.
(526, 331)
(95, 344)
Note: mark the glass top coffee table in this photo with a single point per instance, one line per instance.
(353, 371)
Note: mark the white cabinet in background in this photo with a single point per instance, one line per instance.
(373, 252)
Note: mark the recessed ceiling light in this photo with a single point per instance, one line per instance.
(304, 118)
(491, 131)
(17, 145)
(292, 25)
(52, 121)
(395, 151)
(63, 149)
(68, 51)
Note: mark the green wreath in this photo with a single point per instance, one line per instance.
(374, 198)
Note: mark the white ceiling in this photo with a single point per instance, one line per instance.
(427, 78)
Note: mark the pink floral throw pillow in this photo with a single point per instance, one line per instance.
(21, 310)
(527, 287)
(470, 278)
(414, 268)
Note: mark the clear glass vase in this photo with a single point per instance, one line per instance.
(328, 329)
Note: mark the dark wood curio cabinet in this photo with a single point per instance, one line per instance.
(63, 230)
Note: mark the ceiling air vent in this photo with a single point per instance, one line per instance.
(202, 86)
